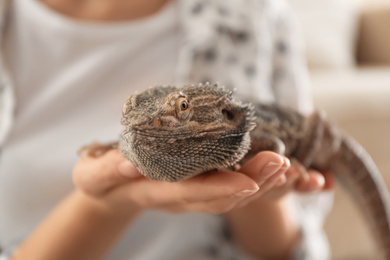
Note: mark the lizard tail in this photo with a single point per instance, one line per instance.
(355, 170)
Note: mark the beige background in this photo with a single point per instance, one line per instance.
(363, 111)
(352, 84)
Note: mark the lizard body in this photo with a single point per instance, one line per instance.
(172, 134)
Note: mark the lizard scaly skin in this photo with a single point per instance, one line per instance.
(172, 134)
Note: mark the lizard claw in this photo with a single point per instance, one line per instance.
(237, 166)
(303, 175)
(96, 149)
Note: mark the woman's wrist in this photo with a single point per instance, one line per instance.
(264, 228)
(80, 227)
(107, 207)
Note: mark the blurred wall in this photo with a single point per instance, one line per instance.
(348, 53)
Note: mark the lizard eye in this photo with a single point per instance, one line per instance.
(183, 108)
(184, 105)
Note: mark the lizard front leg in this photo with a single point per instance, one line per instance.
(262, 141)
(96, 149)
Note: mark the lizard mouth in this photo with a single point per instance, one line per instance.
(171, 133)
(213, 130)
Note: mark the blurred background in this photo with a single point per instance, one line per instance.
(348, 53)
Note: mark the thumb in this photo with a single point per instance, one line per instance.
(96, 175)
(265, 165)
(128, 169)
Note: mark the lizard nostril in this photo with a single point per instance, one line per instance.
(227, 114)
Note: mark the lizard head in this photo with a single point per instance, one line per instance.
(172, 134)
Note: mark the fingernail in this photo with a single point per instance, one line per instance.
(127, 169)
(270, 169)
(245, 193)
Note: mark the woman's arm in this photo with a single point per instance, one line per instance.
(264, 229)
(78, 228)
(111, 193)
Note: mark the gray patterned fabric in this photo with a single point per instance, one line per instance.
(253, 43)
(6, 91)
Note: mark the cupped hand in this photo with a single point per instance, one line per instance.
(112, 180)
(278, 176)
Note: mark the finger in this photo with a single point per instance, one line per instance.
(98, 175)
(278, 179)
(219, 206)
(315, 182)
(292, 176)
(264, 165)
(329, 180)
(281, 181)
(275, 186)
(204, 187)
(283, 185)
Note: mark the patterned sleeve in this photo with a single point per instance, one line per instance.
(4, 256)
(6, 92)
(290, 79)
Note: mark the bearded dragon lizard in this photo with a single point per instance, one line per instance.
(172, 134)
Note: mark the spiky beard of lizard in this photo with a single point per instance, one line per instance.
(186, 132)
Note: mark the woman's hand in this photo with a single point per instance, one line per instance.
(113, 181)
(262, 224)
(284, 177)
